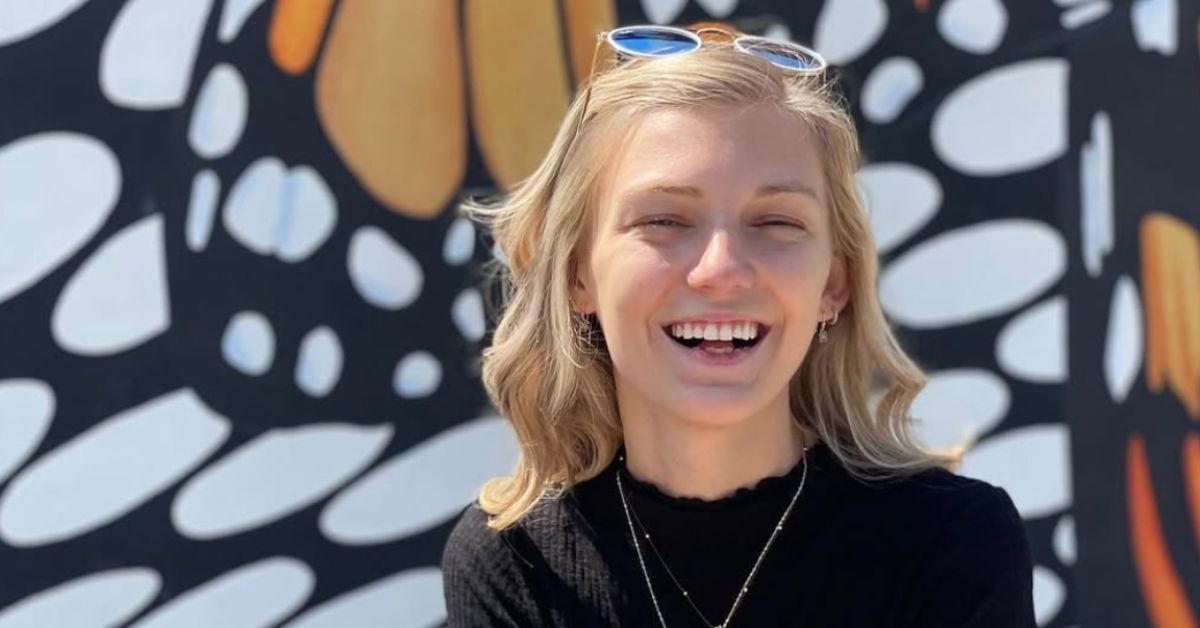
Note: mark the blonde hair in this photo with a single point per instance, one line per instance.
(555, 385)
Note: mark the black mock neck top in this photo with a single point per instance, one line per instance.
(933, 549)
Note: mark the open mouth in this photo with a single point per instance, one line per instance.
(719, 346)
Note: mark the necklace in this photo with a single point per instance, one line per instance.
(745, 586)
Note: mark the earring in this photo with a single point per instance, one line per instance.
(822, 335)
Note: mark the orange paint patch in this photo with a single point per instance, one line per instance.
(519, 84)
(1166, 601)
(390, 96)
(1170, 252)
(585, 20)
(1156, 364)
(1191, 480)
(294, 35)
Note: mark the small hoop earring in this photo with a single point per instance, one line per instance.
(835, 318)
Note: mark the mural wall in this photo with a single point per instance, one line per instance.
(240, 319)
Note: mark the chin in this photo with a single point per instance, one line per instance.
(719, 407)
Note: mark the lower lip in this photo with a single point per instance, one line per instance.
(731, 358)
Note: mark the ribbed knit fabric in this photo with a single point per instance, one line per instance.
(934, 549)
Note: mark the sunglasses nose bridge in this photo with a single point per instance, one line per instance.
(710, 34)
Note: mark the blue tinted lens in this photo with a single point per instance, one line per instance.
(652, 41)
(782, 55)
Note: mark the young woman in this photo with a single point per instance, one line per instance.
(711, 408)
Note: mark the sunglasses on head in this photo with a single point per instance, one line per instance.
(648, 41)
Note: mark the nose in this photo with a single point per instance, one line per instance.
(723, 265)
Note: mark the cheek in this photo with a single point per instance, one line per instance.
(631, 278)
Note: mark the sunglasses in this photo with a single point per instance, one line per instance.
(652, 41)
(649, 41)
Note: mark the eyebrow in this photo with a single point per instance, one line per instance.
(770, 189)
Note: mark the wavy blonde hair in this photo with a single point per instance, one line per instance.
(547, 374)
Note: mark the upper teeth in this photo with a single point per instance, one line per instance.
(741, 330)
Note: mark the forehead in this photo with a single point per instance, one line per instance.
(720, 150)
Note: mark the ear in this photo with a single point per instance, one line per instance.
(581, 296)
(837, 289)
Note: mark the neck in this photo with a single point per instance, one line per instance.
(688, 459)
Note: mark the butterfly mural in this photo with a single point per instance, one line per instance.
(240, 318)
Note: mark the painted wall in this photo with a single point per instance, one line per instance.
(240, 320)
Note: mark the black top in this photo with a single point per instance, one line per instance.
(934, 549)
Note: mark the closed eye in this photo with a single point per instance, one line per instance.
(662, 223)
(782, 223)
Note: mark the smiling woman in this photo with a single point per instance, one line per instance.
(688, 350)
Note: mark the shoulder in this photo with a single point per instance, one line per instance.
(969, 510)
(479, 553)
(473, 548)
(941, 500)
(482, 581)
(975, 564)
(952, 516)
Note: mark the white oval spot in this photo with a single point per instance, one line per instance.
(972, 273)
(254, 203)
(1032, 463)
(28, 409)
(662, 11)
(1123, 340)
(847, 28)
(308, 217)
(273, 476)
(467, 312)
(422, 487)
(1096, 194)
(901, 198)
(778, 30)
(22, 18)
(219, 115)
(272, 211)
(249, 343)
(459, 243)
(1155, 25)
(1048, 594)
(976, 26)
(1083, 12)
(118, 297)
(385, 274)
(889, 88)
(1064, 539)
(718, 8)
(1007, 120)
(233, 16)
(958, 406)
(110, 469)
(202, 208)
(259, 594)
(320, 363)
(417, 375)
(1033, 345)
(59, 188)
(413, 597)
(147, 58)
(106, 598)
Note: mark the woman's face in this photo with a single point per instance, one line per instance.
(710, 261)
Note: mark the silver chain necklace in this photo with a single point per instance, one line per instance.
(745, 586)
